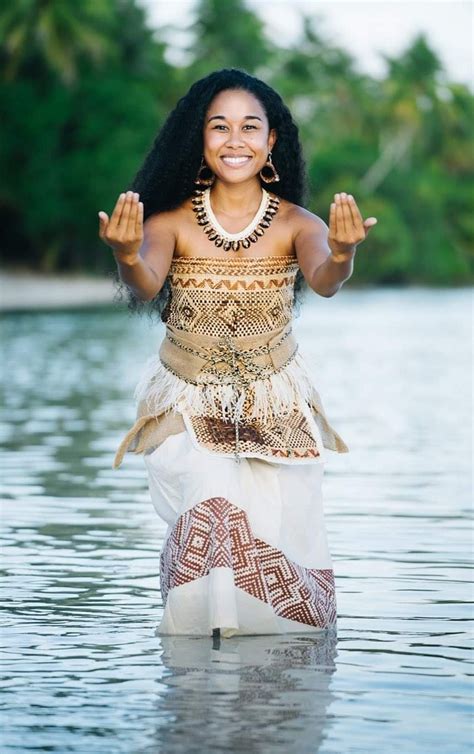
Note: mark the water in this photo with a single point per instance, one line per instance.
(83, 670)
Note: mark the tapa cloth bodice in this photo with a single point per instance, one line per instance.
(231, 297)
(228, 369)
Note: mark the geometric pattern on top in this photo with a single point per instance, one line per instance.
(236, 297)
(288, 436)
(215, 533)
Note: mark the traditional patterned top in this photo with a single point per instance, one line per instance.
(236, 297)
(228, 369)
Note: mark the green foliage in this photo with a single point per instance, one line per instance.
(229, 36)
(86, 86)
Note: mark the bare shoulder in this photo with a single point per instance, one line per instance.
(160, 238)
(309, 236)
(301, 220)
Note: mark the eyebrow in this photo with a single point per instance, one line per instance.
(222, 117)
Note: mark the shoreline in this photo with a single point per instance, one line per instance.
(27, 291)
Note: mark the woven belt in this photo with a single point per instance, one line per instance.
(200, 359)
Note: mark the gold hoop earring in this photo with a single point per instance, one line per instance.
(269, 166)
(205, 176)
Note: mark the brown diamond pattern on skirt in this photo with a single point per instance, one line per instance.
(215, 533)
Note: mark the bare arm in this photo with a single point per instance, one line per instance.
(323, 275)
(146, 273)
(143, 251)
(326, 254)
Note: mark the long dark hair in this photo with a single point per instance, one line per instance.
(166, 178)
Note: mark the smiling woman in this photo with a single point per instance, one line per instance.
(232, 428)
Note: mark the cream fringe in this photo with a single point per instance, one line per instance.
(270, 397)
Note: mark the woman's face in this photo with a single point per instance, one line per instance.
(237, 138)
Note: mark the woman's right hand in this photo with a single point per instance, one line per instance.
(123, 232)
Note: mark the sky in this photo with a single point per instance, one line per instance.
(362, 28)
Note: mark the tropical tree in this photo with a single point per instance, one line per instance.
(237, 41)
(68, 149)
(57, 31)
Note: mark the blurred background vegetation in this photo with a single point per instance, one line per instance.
(86, 85)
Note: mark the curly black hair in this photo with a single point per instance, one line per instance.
(166, 178)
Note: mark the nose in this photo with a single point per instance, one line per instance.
(235, 138)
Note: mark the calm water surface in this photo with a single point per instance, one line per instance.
(83, 670)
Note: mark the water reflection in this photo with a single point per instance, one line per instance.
(83, 670)
(242, 693)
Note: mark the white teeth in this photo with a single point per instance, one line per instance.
(235, 160)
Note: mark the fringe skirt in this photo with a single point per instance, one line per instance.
(246, 550)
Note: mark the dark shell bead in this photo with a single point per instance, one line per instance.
(219, 241)
(236, 245)
(212, 235)
(253, 238)
(259, 231)
(245, 243)
(227, 246)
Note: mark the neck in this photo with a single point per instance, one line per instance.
(236, 199)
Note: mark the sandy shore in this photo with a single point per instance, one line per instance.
(25, 291)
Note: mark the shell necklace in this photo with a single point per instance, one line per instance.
(233, 241)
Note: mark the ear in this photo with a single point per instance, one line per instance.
(272, 137)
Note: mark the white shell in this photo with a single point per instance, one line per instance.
(242, 233)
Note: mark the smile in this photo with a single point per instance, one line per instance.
(235, 162)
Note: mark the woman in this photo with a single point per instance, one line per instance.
(232, 430)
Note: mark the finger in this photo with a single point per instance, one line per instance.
(139, 220)
(126, 211)
(103, 221)
(356, 216)
(347, 214)
(132, 218)
(369, 223)
(341, 226)
(352, 218)
(117, 211)
(332, 219)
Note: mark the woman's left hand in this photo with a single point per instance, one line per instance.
(346, 227)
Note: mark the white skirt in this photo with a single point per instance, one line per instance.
(246, 549)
